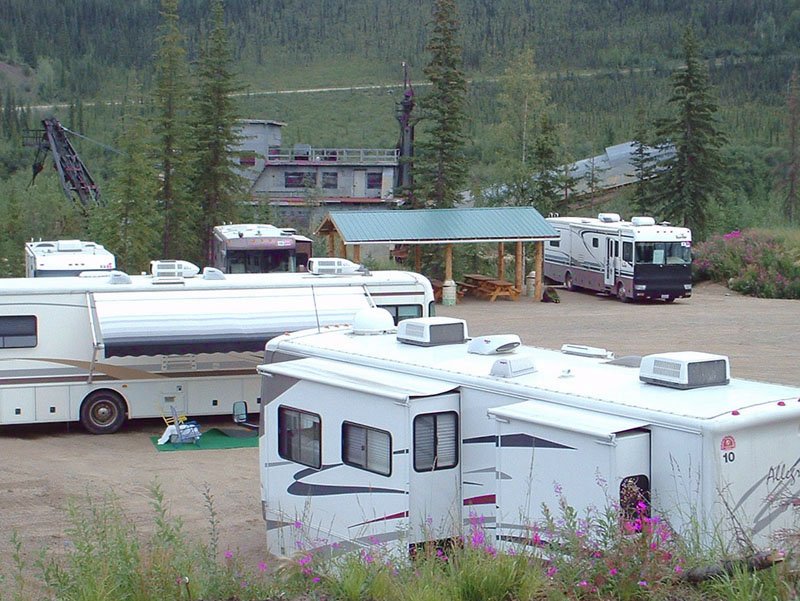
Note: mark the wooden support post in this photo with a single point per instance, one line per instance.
(448, 262)
(331, 243)
(357, 253)
(342, 249)
(501, 251)
(519, 267)
(538, 261)
(418, 258)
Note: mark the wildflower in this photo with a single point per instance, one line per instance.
(298, 524)
(552, 571)
(642, 583)
(678, 569)
(316, 579)
(228, 554)
(583, 584)
(262, 566)
(613, 572)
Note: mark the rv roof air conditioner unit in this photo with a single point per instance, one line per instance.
(609, 217)
(687, 369)
(493, 345)
(511, 367)
(72, 246)
(373, 321)
(586, 351)
(432, 331)
(321, 266)
(171, 269)
(642, 221)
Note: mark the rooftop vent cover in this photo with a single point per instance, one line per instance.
(373, 321)
(324, 266)
(685, 370)
(432, 331)
(173, 269)
(511, 367)
(493, 345)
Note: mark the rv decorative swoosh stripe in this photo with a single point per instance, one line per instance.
(302, 489)
(480, 440)
(480, 500)
(117, 372)
(386, 518)
(528, 441)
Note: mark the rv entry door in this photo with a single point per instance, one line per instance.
(611, 254)
(434, 511)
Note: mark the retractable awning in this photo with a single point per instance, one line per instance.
(214, 321)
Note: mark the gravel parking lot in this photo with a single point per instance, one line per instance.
(46, 466)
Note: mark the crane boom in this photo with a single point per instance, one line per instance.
(76, 180)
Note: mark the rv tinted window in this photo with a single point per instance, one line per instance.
(401, 312)
(367, 448)
(299, 437)
(435, 441)
(595, 242)
(627, 252)
(18, 331)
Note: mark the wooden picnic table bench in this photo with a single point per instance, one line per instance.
(491, 288)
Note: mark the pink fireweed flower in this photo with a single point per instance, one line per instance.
(262, 566)
(678, 569)
(228, 554)
(552, 571)
(298, 524)
(613, 572)
(642, 583)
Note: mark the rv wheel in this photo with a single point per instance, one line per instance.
(102, 412)
(621, 294)
(568, 282)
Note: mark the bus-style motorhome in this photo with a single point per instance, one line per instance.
(634, 260)
(258, 248)
(59, 258)
(403, 435)
(102, 348)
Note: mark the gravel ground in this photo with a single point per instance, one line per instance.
(47, 466)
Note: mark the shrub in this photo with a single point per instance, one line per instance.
(754, 262)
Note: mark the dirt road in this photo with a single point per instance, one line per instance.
(46, 466)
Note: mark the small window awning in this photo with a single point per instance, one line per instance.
(369, 380)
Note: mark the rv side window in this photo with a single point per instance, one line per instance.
(401, 312)
(367, 448)
(595, 242)
(627, 252)
(555, 243)
(18, 331)
(435, 441)
(299, 437)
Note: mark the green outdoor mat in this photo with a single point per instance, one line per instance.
(213, 438)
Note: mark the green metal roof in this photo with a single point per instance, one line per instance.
(421, 226)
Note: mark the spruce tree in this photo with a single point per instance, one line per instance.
(790, 167)
(215, 183)
(440, 163)
(171, 98)
(129, 223)
(693, 176)
(644, 165)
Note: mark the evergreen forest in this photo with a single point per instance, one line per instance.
(332, 71)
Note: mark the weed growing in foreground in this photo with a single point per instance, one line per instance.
(600, 556)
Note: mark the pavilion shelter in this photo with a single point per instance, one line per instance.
(446, 227)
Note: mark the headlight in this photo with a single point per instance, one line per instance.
(640, 287)
(687, 286)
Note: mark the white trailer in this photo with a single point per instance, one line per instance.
(635, 260)
(102, 349)
(367, 434)
(58, 258)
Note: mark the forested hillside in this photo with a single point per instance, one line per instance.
(605, 67)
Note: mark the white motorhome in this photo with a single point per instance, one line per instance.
(102, 348)
(57, 258)
(258, 248)
(635, 260)
(403, 435)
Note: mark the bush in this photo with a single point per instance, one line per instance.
(758, 263)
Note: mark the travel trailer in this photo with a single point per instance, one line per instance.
(635, 260)
(105, 347)
(404, 434)
(258, 248)
(56, 258)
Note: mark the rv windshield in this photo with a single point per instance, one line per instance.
(663, 253)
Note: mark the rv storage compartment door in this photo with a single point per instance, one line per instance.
(547, 452)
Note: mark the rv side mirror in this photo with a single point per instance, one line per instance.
(240, 412)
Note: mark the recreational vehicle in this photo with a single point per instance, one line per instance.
(101, 349)
(65, 257)
(635, 260)
(258, 248)
(405, 434)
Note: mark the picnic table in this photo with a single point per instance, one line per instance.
(438, 287)
(491, 288)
